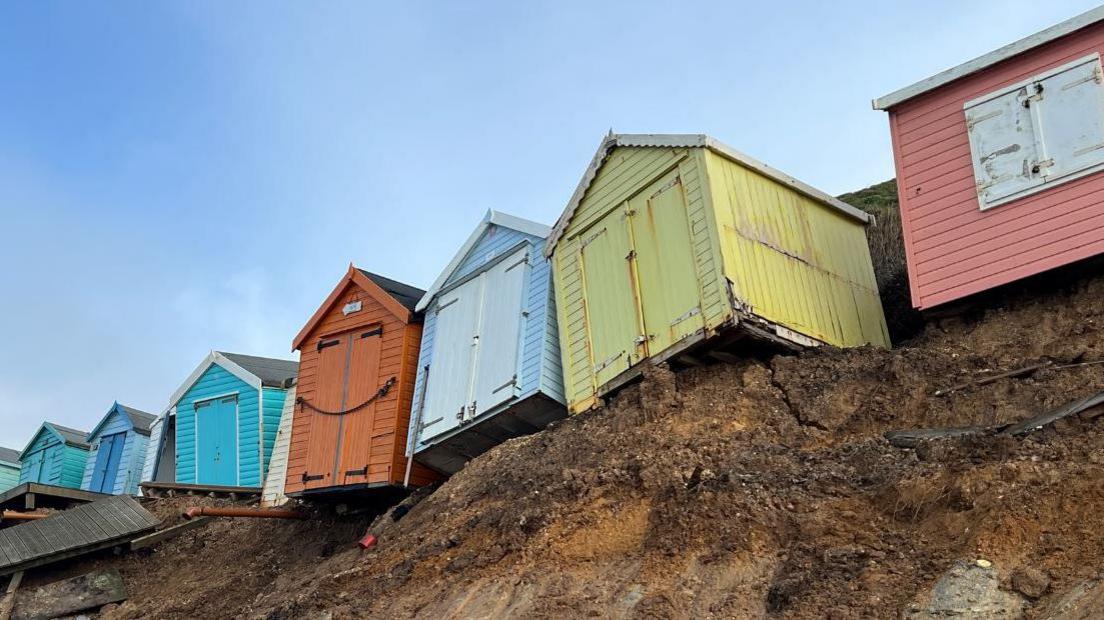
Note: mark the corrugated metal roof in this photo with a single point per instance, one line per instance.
(140, 419)
(1043, 37)
(8, 455)
(612, 141)
(272, 372)
(407, 295)
(71, 435)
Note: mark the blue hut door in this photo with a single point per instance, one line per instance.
(34, 466)
(106, 469)
(216, 441)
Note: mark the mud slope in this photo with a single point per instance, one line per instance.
(763, 489)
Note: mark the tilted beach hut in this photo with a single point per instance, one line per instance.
(220, 426)
(118, 446)
(674, 242)
(55, 455)
(9, 468)
(358, 356)
(489, 366)
(1000, 163)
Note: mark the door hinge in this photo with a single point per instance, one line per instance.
(307, 478)
(358, 472)
(374, 332)
(322, 344)
(631, 255)
(511, 382)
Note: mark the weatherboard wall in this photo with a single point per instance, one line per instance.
(381, 447)
(954, 249)
(9, 475)
(131, 462)
(712, 240)
(217, 382)
(62, 463)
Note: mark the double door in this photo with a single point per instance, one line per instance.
(640, 279)
(217, 441)
(106, 469)
(475, 346)
(340, 444)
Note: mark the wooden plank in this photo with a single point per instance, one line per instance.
(168, 533)
(60, 598)
(9, 596)
(912, 438)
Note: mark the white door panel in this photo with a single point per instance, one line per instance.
(500, 332)
(448, 390)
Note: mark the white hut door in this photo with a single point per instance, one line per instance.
(496, 377)
(450, 373)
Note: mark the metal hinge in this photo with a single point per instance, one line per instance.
(307, 478)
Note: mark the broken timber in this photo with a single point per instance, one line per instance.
(912, 438)
(168, 533)
(172, 489)
(61, 598)
(101, 524)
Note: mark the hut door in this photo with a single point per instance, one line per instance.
(449, 387)
(33, 463)
(500, 332)
(612, 313)
(217, 441)
(668, 282)
(106, 469)
(363, 381)
(322, 444)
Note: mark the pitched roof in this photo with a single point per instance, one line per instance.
(8, 455)
(71, 435)
(984, 61)
(272, 372)
(140, 419)
(492, 218)
(405, 294)
(613, 140)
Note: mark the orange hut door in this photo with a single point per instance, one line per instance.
(333, 359)
(356, 453)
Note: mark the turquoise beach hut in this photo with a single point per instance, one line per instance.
(9, 468)
(56, 455)
(220, 426)
(118, 451)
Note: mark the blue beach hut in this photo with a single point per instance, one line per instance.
(56, 455)
(220, 426)
(489, 365)
(118, 451)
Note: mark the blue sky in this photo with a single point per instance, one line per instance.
(181, 177)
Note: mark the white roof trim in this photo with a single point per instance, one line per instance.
(1074, 24)
(612, 141)
(497, 218)
(214, 357)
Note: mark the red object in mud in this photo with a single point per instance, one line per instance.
(368, 541)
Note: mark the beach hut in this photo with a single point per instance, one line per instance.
(118, 450)
(489, 366)
(679, 242)
(9, 468)
(1000, 163)
(220, 426)
(56, 455)
(358, 355)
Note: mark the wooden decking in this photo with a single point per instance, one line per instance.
(32, 495)
(172, 489)
(104, 523)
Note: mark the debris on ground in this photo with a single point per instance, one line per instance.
(761, 488)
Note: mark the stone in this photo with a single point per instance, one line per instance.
(1031, 582)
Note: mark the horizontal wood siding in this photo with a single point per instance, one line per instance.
(70, 467)
(626, 172)
(953, 248)
(130, 469)
(214, 382)
(63, 465)
(9, 476)
(793, 260)
(115, 423)
(270, 423)
(398, 355)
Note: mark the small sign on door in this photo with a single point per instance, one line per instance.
(351, 308)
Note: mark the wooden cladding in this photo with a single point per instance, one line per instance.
(356, 383)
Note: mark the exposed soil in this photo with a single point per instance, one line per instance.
(761, 489)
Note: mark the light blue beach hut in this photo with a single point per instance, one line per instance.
(489, 365)
(118, 451)
(9, 468)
